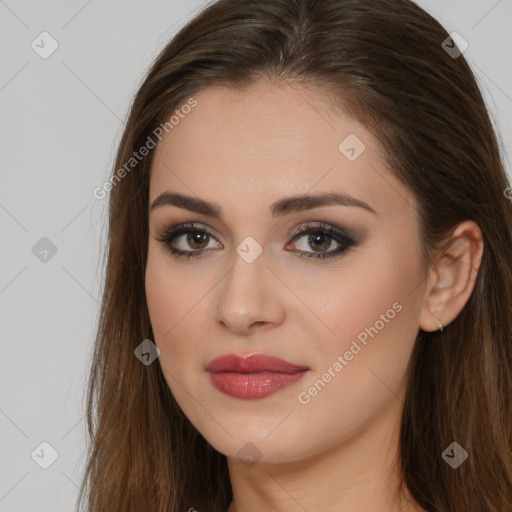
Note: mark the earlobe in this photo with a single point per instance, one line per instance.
(452, 278)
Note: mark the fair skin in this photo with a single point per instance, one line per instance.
(244, 151)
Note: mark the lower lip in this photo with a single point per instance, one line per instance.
(253, 385)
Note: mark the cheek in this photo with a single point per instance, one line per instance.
(345, 395)
(359, 297)
(371, 299)
(372, 312)
(176, 305)
(171, 294)
(376, 291)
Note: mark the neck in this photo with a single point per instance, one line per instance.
(358, 475)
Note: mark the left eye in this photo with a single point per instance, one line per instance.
(319, 237)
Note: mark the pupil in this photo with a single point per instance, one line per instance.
(197, 238)
(317, 239)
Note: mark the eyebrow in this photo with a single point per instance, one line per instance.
(281, 207)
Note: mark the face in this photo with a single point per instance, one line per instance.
(339, 301)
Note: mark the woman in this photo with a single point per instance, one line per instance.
(307, 302)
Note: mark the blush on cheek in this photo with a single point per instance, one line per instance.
(163, 301)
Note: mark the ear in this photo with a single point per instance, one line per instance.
(452, 276)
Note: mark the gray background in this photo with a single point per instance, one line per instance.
(61, 120)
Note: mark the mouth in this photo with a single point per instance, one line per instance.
(253, 377)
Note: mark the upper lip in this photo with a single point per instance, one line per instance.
(252, 364)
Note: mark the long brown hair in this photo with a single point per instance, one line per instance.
(384, 62)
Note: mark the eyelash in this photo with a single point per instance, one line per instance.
(345, 237)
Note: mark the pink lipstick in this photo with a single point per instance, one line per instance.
(252, 377)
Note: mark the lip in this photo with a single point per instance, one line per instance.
(252, 364)
(253, 377)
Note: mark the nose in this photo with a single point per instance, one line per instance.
(249, 297)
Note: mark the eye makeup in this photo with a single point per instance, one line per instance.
(318, 233)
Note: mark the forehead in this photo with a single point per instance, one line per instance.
(264, 122)
(268, 141)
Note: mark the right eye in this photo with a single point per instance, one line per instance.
(197, 238)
